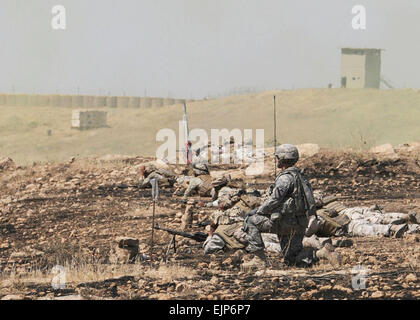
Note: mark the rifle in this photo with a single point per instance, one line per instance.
(126, 186)
(118, 186)
(197, 236)
(204, 223)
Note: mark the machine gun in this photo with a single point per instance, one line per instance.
(197, 236)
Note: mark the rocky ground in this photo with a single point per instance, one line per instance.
(72, 214)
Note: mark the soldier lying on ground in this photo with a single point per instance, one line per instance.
(229, 196)
(201, 181)
(166, 177)
(335, 219)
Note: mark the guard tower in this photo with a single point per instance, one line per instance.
(360, 68)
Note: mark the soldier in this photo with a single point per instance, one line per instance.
(335, 219)
(285, 212)
(226, 234)
(234, 204)
(227, 222)
(228, 196)
(150, 171)
(244, 154)
(202, 181)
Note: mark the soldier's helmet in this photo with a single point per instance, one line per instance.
(287, 153)
(318, 196)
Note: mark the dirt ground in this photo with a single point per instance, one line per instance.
(71, 213)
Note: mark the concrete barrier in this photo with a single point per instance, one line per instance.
(33, 100)
(65, 101)
(11, 100)
(88, 101)
(134, 102)
(43, 100)
(54, 100)
(88, 119)
(77, 101)
(145, 102)
(168, 101)
(157, 102)
(111, 102)
(122, 102)
(99, 101)
(22, 100)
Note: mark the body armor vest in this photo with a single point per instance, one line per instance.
(226, 233)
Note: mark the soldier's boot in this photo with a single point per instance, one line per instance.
(343, 243)
(311, 242)
(376, 207)
(259, 262)
(328, 253)
(397, 231)
(237, 256)
(414, 217)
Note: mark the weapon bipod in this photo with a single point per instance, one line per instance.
(172, 243)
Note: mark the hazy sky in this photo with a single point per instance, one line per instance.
(193, 48)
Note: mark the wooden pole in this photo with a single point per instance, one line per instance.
(275, 137)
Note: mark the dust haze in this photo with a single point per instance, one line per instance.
(193, 49)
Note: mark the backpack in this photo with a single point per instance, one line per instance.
(302, 195)
(308, 196)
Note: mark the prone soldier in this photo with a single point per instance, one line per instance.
(335, 219)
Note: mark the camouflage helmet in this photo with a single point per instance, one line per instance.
(318, 196)
(287, 152)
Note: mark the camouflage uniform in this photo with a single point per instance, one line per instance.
(228, 233)
(202, 179)
(282, 213)
(165, 177)
(335, 219)
(213, 243)
(225, 237)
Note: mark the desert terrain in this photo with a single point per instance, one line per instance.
(72, 214)
(63, 207)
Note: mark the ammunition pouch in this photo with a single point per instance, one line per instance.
(331, 225)
(334, 208)
(227, 233)
(205, 189)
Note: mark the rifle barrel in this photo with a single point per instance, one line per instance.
(197, 236)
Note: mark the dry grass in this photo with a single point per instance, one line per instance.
(171, 273)
(84, 273)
